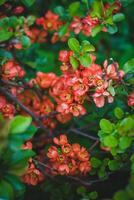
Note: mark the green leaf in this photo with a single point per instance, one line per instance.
(81, 190)
(129, 66)
(26, 42)
(95, 162)
(110, 141)
(106, 126)
(6, 190)
(98, 9)
(112, 29)
(87, 47)
(2, 2)
(127, 124)
(21, 155)
(93, 195)
(121, 195)
(96, 30)
(17, 185)
(124, 142)
(74, 62)
(74, 45)
(118, 112)
(5, 35)
(63, 30)
(28, 3)
(13, 21)
(111, 90)
(85, 60)
(19, 124)
(118, 17)
(113, 165)
(31, 19)
(74, 8)
(20, 168)
(59, 10)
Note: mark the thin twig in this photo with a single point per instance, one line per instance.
(83, 134)
(23, 107)
(94, 145)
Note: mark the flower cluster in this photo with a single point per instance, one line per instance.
(52, 22)
(7, 109)
(11, 70)
(64, 94)
(40, 106)
(32, 176)
(68, 159)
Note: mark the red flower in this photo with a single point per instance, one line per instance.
(63, 169)
(112, 71)
(11, 70)
(27, 145)
(64, 56)
(85, 167)
(2, 101)
(83, 155)
(76, 25)
(77, 109)
(51, 21)
(18, 10)
(66, 149)
(32, 176)
(76, 148)
(35, 34)
(45, 80)
(131, 99)
(62, 140)
(53, 153)
(64, 118)
(8, 110)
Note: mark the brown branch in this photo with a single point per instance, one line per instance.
(14, 99)
(78, 132)
(94, 145)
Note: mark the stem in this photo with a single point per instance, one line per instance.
(83, 134)
(23, 107)
(94, 145)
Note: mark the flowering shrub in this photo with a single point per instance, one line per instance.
(62, 71)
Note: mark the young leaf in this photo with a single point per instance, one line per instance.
(85, 60)
(125, 142)
(110, 141)
(63, 29)
(6, 190)
(74, 45)
(113, 165)
(106, 126)
(28, 3)
(98, 9)
(73, 8)
(96, 30)
(26, 42)
(5, 35)
(74, 62)
(87, 47)
(118, 17)
(118, 112)
(19, 124)
(129, 66)
(127, 124)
